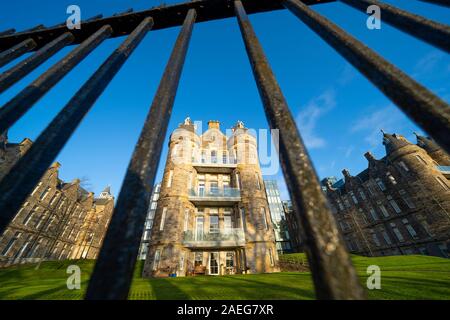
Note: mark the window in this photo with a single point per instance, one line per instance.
(243, 224)
(264, 217)
(442, 183)
(169, 179)
(394, 204)
(40, 219)
(186, 220)
(344, 225)
(214, 186)
(410, 229)
(363, 216)
(380, 184)
(29, 215)
(36, 188)
(163, 219)
(341, 207)
(156, 259)
(229, 261)
(391, 178)
(10, 243)
(406, 199)
(403, 166)
(227, 223)
(375, 239)
(181, 266)
(347, 203)
(55, 197)
(384, 210)
(420, 159)
(238, 181)
(45, 193)
(203, 156)
(258, 183)
(272, 262)
(397, 232)
(370, 189)
(213, 156)
(355, 200)
(373, 213)
(153, 205)
(224, 157)
(386, 237)
(214, 223)
(198, 259)
(362, 194)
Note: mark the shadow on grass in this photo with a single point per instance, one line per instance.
(164, 289)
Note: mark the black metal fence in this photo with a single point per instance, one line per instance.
(333, 274)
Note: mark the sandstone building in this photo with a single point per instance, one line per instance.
(212, 215)
(58, 220)
(400, 204)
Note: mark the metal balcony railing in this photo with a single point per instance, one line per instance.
(222, 238)
(215, 193)
(332, 271)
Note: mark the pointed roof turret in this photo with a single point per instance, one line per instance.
(393, 142)
(426, 143)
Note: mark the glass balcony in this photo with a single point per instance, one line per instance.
(215, 192)
(234, 237)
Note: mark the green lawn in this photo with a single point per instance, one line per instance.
(402, 277)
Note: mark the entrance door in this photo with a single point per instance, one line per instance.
(214, 263)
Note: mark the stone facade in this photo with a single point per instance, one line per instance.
(400, 204)
(212, 215)
(58, 220)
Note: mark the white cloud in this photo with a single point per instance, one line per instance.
(428, 63)
(388, 118)
(309, 115)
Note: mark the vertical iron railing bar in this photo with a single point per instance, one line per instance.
(114, 269)
(333, 273)
(445, 3)
(26, 173)
(23, 68)
(427, 110)
(19, 49)
(432, 32)
(14, 109)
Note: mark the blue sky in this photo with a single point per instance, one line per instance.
(338, 111)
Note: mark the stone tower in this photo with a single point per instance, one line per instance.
(212, 215)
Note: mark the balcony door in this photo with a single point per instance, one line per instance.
(214, 263)
(199, 223)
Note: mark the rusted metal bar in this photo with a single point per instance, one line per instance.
(20, 104)
(16, 73)
(434, 33)
(164, 16)
(445, 3)
(430, 112)
(26, 173)
(7, 32)
(16, 51)
(35, 28)
(333, 274)
(113, 271)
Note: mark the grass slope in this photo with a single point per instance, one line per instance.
(402, 277)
